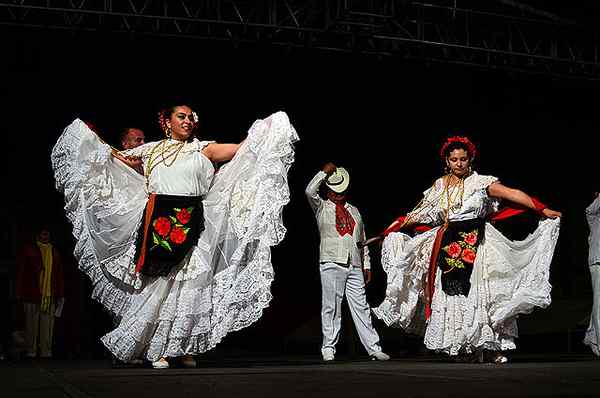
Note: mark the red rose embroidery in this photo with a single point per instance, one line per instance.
(183, 216)
(468, 256)
(177, 235)
(453, 249)
(471, 238)
(162, 225)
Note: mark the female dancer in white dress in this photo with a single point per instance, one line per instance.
(179, 255)
(462, 283)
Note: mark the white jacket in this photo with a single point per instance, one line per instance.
(335, 248)
(593, 217)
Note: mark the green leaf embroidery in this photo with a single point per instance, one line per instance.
(154, 238)
(463, 234)
(173, 219)
(177, 209)
(190, 210)
(465, 245)
(166, 245)
(455, 263)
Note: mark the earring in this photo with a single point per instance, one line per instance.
(168, 132)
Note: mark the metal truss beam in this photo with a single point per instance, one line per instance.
(505, 34)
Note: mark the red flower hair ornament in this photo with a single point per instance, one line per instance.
(463, 140)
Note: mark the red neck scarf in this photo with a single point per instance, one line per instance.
(344, 222)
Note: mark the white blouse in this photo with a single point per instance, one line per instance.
(473, 203)
(186, 171)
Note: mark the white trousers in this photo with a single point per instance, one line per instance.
(39, 325)
(336, 281)
(592, 336)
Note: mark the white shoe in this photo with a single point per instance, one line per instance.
(379, 356)
(500, 359)
(160, 364)
(328, 354)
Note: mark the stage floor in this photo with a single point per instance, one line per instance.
(532, 375)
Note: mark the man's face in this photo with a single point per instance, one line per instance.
(336, 197)
(44, 236)
(133, 139)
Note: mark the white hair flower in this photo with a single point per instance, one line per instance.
(195, 115)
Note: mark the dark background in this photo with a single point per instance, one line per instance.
(384, 119)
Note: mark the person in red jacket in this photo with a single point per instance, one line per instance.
(40, 287)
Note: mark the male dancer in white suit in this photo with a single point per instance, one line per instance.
(344, 267)
(592, 337)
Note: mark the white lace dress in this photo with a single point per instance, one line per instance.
(224, 283)
(508, 278)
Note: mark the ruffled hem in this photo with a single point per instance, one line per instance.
(172, 318)
(509, 278)
(591, 340)
(460, 324)
(71, 172)
(405, 261)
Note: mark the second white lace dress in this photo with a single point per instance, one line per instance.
(508, 277)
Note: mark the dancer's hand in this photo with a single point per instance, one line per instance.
(135, 162)
(551, 213)
(369, 241)
(329, 168)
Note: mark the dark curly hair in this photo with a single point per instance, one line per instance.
(166, 113)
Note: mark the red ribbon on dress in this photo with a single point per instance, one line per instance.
(397, 226)
(508, 211)
(147, 219)
(514, 209)
(344, 222)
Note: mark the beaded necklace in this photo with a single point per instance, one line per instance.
(167, 152)
(452, 202)
(425, 202)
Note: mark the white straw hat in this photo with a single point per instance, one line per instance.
(338, 181)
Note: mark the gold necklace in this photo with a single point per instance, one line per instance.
(179, 145)
(152, 160)
(453, 200)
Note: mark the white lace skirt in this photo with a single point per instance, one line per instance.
(509, 278)
(224, 283)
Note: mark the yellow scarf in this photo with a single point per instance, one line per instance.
(46, 276)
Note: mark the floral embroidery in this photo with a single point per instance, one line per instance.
(162, 225)
(468, 255)
(183, 215)
(177, 235)
(172, 229)
(470, 238)
(453, 249)
(462, 251)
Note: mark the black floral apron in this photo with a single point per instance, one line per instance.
(172, 225)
